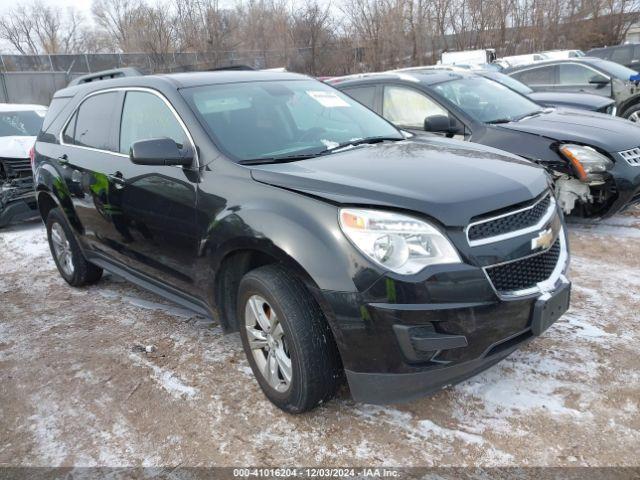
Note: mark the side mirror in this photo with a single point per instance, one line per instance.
(442, 124)
(160, 151)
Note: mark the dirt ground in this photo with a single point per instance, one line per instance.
(77, 387)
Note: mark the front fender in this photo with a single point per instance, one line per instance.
(301, 232)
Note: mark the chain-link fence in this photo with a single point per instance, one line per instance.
(146, 63)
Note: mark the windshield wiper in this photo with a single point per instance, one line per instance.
(501, 120)
(279, 159)
(361, 141)
(306, 156)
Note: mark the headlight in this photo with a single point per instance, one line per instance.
(585, 160)
(397, 242)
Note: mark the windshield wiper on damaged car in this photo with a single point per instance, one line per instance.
(501, 120)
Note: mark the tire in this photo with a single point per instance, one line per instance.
(66, 253)
(299, 331)
(632, 113)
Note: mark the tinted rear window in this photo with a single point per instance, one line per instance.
(364, 95)
(94, 121)
(56, 106)
(537, 76)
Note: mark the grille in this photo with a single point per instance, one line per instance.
(525, 273)
(510, 223)
(15, 167)
(632, 156)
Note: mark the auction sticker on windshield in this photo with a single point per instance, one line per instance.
(327, 99)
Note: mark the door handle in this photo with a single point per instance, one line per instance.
(117, 179)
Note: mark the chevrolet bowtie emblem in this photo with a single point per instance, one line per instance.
(543, 241)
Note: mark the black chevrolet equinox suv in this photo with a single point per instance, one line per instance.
(289, 212)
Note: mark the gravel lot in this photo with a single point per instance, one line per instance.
(77, 387)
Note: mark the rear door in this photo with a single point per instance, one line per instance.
(88, 152)
(540, 79)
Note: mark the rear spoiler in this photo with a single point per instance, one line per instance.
(106, 75)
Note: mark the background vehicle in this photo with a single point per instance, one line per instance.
(559, 54)
(290, 212)
(19, 125)
(591, 155)
(627, 55)
(585, 75)
(515, 60)
(581, 101)
(468, 57)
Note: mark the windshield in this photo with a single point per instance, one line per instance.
(255, 120)
(615, 69)
(22, 124)
(508, 81)
(485, 100)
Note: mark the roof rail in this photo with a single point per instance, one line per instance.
(106, 75)
(232, 67)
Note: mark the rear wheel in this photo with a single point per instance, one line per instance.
(66, 252)
(287, 340)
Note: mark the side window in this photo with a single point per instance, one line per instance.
(93, 121)
(572, 74)
(146, 116)
(406, 107)
(537, 76)
(622, 55)
(364, 95)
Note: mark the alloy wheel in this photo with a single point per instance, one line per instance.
(62, 249)
(268, 343)
(634, 117)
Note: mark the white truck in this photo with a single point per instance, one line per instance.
(468, 57)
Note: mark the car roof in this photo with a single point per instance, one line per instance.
(429, 76)
(182, 80)
(20, 107)
(587, 60)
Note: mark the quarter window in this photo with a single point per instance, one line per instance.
(408, 108)
(145, 116)
(93, 122)
(364, 95)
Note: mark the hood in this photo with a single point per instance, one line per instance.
(611, 134)
(16, 147)
(578, 100)
(447, 182)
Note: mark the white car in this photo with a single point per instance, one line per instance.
(19, 126)
(562, 54)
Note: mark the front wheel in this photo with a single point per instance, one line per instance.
(632, 113)
(287, 340)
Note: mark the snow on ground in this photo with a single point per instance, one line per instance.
(78, 386)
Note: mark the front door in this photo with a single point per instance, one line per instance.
(573, 77)
(156, 232)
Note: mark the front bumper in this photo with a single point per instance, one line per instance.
(17, 202)
(405, 338)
